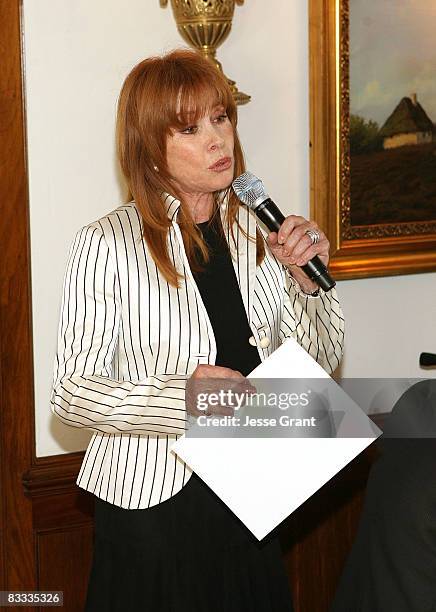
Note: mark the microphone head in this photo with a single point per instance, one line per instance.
(249, 189)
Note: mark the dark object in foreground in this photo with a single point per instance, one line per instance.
(427, 360)
(392, 564)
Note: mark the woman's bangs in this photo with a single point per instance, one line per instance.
(195, 101)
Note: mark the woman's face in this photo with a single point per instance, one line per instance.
(200, 156)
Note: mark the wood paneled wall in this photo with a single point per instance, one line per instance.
(62, 526)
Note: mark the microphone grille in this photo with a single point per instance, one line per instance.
(249, 189)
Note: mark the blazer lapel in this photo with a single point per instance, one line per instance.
(243, 253)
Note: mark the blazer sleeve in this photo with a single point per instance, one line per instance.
(317, 323)
(84, 393)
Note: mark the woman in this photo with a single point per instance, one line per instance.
(174, 286)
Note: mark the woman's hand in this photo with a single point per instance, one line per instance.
(210, 379)
(293, 247)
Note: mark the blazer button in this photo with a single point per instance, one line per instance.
(263, 342)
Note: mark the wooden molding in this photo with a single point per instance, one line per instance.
(58, 504)
(16, 366)
(53, 474)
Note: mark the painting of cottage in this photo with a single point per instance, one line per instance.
(392, 112)
(409, 124)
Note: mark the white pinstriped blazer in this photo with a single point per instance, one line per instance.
(128, 341)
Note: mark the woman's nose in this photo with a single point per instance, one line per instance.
(216, 141)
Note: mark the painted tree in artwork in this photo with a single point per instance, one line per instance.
(364, 136)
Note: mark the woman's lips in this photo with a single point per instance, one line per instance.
(222, 164)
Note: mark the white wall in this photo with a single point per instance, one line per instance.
(77, 54)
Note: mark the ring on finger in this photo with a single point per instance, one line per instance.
(314, 235)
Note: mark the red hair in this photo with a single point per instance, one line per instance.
(156, 97)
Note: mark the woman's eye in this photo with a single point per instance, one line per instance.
(191, 129)
(221, 118)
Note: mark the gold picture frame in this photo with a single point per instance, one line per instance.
(357, 251)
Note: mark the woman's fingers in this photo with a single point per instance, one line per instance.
(297, 240)
(205, 370)
(292, 245)
(214, 388)
(305, 250)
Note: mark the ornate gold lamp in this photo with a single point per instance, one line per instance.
(205, 24)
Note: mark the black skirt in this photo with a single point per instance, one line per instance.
(188, 554)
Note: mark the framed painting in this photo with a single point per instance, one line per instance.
(372, 132)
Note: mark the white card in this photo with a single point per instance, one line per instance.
(263, 480)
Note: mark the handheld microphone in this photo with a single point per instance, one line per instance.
(250, 190)
(427, 360)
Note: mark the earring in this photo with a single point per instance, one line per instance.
(156, 168)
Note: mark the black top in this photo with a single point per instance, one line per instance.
(222, 298)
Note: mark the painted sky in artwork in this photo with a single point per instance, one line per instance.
(392, 54)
